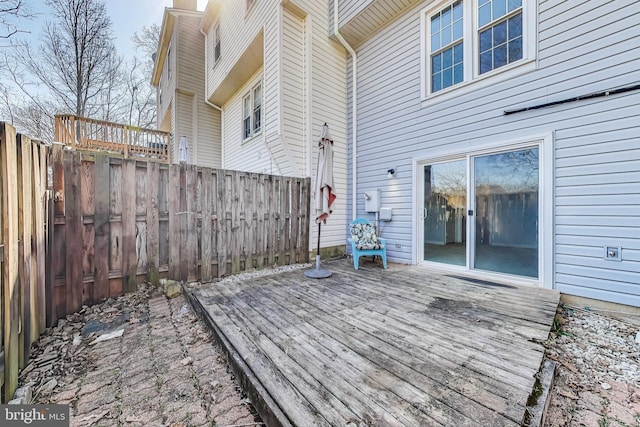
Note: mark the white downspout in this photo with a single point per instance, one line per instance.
(206, 94)
(354, 105)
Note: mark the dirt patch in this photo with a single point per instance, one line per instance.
(159, 366)
(598, 377)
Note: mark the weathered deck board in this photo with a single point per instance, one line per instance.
(403, 346)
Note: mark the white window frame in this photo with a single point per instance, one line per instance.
(216, 43)
(168, 60)
(249, 99)
(473, 80)
(546, 144)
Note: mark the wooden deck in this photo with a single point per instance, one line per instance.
(403, 346)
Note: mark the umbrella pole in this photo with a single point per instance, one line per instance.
(318, 272)
(318, 251)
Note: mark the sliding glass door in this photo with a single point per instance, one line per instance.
(506, 212)
(444, 212)
(492, 202)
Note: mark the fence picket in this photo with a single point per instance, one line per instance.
(10, 264)
(105, 223)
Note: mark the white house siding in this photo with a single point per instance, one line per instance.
(304, 85)
(251, 155)
(209, 132)
(184, 124)
(293, 90)
(166, 86)
(200, 121)
(238, 28)
(347, 10)
(584, 47)
(328, 105)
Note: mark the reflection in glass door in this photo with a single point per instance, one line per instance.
(506, 212)
(444, 212)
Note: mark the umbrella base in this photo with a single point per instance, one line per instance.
(318, 273)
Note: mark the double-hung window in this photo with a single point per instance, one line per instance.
(447, 47)
(216, 43)
(257, 108)
(168, 60)
(252, 112)
(500, 33)
(465, 40)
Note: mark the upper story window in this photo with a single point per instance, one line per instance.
(500, 33)
(257, 108)
(447, 47)
(168, 61)
(216, 43)
(252, 112)
(466, 40)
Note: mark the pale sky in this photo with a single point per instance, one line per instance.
(127, 17)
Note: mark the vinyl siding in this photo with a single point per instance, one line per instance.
(166, 85)
(182, 93)
(347, 10)
(184, 125)
(202, 120)
(251, 155)
(304, 84)
(292, 68)
(596, 142)
(328, 105)
(237, 29)
(190, 55)
(209, 136)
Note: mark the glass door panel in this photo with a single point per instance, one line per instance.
(506, 212)
(444, 213)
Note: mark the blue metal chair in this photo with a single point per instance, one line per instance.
(365, 242)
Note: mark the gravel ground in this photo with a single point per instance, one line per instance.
(598, 376)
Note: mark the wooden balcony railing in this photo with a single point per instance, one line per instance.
(132, 142)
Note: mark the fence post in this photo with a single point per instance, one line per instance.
(125, 140)
(11, 286)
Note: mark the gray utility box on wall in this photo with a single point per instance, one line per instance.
(385, 214)
(372, 200)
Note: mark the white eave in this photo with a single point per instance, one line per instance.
(168, 21)
(376, 15)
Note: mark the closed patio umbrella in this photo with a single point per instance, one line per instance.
(325, 194)
(183, 152)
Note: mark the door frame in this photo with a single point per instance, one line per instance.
(546, 256)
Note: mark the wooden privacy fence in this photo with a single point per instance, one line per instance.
(77, 228)
(23, 202)
(118, 221)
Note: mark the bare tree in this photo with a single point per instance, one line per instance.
(32, 117)
(9, 10)
(75, 70)
(77, 60)
(142, 95)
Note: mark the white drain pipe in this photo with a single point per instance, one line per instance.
(354, 105)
